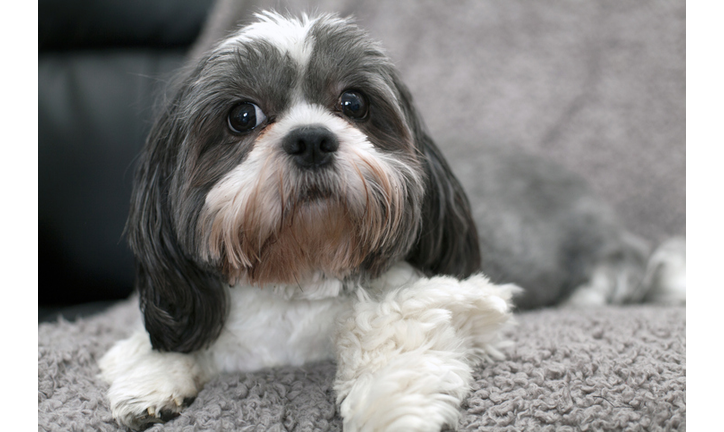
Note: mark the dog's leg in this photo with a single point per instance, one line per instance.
(665, 278)
(625, 276)
(405, 360)
(148, 386)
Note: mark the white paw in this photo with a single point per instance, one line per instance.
(148, 386)
(413, 392)
(404, 361)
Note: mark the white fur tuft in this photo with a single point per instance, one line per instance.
(288, 35)
(405, 359)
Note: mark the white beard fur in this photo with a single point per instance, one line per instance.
(405, 347)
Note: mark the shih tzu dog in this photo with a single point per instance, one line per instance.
(289, 207)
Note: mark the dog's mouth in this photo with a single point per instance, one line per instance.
(315, 193)
(315, 236)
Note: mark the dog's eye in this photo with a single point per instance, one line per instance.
(245, 117)
(353, 104)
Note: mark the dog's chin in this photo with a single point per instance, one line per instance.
(316, 237)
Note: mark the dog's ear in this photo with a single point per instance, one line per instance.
(448, 240)
(184, 305)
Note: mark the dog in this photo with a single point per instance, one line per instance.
(290, 207)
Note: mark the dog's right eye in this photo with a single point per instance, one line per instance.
(244, 117)
(353, 104)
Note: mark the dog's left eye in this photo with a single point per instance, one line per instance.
(244, 117)
(353, 104)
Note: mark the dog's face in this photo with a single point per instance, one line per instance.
(290, 151)
(299, 158)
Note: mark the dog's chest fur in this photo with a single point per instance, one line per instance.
(289, 325)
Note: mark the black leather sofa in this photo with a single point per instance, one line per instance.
(101, 66)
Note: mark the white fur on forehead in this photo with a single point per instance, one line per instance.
(289, 34)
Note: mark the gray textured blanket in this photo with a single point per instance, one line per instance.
(612, 368)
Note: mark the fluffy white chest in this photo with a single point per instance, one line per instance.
(271, 327)
(288, 325)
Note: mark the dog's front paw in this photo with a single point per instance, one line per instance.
(130, 412)
(146, 386)
(404, 360)
(414, 392)
(140, 411)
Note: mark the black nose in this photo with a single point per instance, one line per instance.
(311, 146)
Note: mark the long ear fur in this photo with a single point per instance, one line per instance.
(184, 306)
(448, 240)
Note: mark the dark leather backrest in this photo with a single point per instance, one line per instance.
(102, 66)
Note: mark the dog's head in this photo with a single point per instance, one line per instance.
(290, 151)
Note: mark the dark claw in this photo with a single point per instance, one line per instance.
(167, 415)
(147, 420)
(144, 422)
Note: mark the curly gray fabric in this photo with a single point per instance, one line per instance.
(613, 368)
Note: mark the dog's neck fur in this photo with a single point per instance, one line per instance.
(322, 287)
